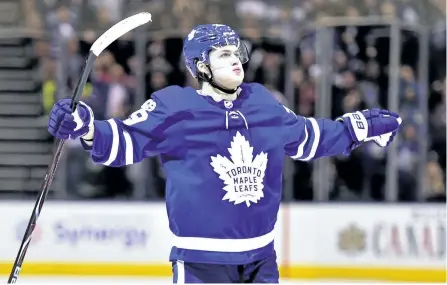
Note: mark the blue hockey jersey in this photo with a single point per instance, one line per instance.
(223, 162)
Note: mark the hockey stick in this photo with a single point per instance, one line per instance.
(98, 46)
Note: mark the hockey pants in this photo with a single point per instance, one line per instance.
(263, 271)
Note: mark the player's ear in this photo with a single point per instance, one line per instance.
(201, 67)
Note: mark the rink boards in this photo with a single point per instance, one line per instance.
(314, 241)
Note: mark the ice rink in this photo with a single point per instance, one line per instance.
(88, 280)
(124, 280)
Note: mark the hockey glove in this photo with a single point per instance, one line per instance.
(63, 124)
(375, 125)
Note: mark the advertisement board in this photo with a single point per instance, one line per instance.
(88, 238)
(88, 232)
(313, 241)
(406, 243)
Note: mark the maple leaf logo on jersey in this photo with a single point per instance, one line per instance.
(243, 176)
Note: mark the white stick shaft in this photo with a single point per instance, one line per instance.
(118, 30)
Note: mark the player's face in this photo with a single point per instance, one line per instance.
(226, 66)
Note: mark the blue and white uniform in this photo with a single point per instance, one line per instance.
(223, 161)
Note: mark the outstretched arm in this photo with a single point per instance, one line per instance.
(114, 142)
(122, 142)
(309, 138)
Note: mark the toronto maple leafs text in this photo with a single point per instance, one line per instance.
(245, 178)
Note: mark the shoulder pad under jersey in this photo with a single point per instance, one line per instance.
(260, 93)
(172, 97)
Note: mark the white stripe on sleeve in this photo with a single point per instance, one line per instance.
(129, 148)
(316, 130)
(115, 142)
(300, 151)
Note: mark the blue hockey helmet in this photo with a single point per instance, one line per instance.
(204, 38)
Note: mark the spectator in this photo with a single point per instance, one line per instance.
(61, 24)
(48, 74)
(74, 60)
(271, 71)
(118, 96)
(435, 187)
(407, 162)
(437, 122)
(108, 10)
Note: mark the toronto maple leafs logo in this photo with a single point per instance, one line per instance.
(191, 35)
(243, 176)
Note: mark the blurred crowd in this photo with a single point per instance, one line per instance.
(360, 78)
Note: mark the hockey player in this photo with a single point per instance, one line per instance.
(223, 148)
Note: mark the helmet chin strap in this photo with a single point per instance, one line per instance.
(227, 91)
